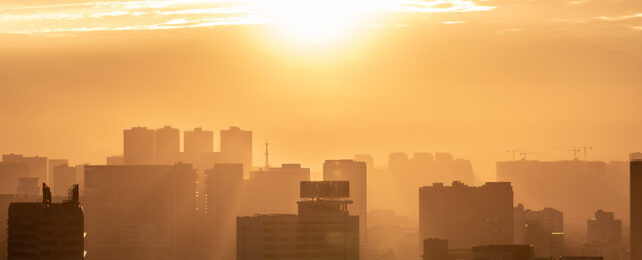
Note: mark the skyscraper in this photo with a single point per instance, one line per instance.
(167, 145)
(37, 165)
(236, 147)
(46, 230)
(196, 143)
(636, 207)
(467, 216)
(604, 236)
(224, 188)
(138, 146)
(53, 163)
(355, 173)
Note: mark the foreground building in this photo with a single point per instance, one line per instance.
(46, 230)
(322, 229)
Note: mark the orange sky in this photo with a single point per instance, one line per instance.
(471, 77)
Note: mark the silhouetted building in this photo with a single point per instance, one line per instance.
(604, 236)
(63, 177)
(544, 229)
(224, 193)
(467, 216)
(5, 201)
(581, 258)
(115, 160)
(37, 165)
(435, 249)
(636, 206)
(196, 143)
(366, 158)
(28, 186)
(236, 147)
(356, 173)
(9, 174)
(528, 177)
(138, 146)
(53, 163)
(167, 145)
(503, 252)
(323, 228)
(46, 230)
(140, 211)
(276, 190)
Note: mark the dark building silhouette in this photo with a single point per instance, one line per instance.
(140, 211)
(46, 230)
(465, 215)
(604, 236)
(435, 249)
(277, 189)
(322, 229)
(5, 201)
(503, 252)
(63, 176)
(356, 173)
(138, 146)
(196, 143)
(581, 258)
(224, 198)
(236, 147)
(37, 165)
(9, 174)
(167, 145)
(636, 206)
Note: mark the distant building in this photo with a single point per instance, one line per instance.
(138, 146)
(366, 158)
(356, 173)
(114, 160)
(503, 252)
(167, 145)
(196, 144)
(276, 190)
(63, 177)
(148, 211)
(9, 174)
(28, 186)
(435, 249)
(604, 236)
(322, 229)
(236, 147)
(37, 165)
(544, 229)
(465, 215)
(53, 163)
(46, 230)
(224, 188)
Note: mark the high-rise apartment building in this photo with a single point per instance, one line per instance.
(167, 145)
(236, 147)
(465, 215)
(276, 189)
(138, 146)
(224, 189)
(63, 177)
(636, 206)
(197, 143)
(46, 230)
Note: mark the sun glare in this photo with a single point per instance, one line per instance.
(317, 21)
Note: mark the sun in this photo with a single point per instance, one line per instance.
(317, 21)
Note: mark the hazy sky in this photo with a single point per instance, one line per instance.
(326, 79)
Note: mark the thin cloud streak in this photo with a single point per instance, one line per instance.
(170, 14)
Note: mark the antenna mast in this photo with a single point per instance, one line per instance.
(267, 165)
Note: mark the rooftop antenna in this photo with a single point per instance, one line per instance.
(267, 164)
